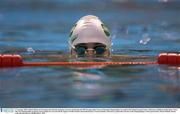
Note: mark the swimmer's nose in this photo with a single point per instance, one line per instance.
(90, 53)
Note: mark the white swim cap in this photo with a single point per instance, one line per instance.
(90, 29)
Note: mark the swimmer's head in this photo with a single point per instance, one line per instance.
(90, 37)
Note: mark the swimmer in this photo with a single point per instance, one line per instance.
(90, 37)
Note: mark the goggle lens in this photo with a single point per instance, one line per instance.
(100, 50)
(81, 50)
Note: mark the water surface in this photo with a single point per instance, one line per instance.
(138, 28)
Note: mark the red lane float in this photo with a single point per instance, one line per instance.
(169, 58)
(7, 60)
(11, 61)
(17, 61)
(0, 60)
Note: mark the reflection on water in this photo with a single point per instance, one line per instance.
(172, 76)
(124, 86)
(138, 28)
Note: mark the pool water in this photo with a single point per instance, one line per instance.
(138, 27)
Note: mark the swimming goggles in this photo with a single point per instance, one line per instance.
(82, 50)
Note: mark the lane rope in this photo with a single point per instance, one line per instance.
(8, 60)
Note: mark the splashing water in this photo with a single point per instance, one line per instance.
(164, 1)
(30, 50)
(145, 39)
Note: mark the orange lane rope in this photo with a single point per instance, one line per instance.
(84, 63)
(17, 61)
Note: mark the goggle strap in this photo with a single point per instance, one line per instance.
(71, 45)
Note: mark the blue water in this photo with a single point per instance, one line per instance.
(138, 27)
